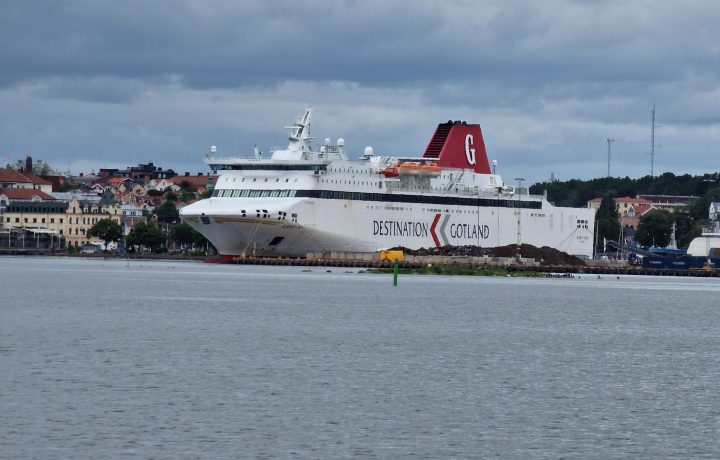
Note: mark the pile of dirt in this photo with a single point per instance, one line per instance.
(545, 255)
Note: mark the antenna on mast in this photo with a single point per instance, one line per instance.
(609, 141)
(652, 144)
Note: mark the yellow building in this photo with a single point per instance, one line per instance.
(70, 220)
(81, 215)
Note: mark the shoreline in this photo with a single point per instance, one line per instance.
(100, 255)
(452, 268)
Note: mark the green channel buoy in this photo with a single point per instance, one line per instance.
(395, 272)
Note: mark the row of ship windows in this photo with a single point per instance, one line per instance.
(353, 170)
(379, 197)
(264, 214)
(433, 210)
(255, 179)
(351, 182)
(227, 193)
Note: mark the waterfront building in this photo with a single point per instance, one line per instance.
(10, 178)
(30, 218)
(66, 215)
(133, 213)
(669, 202)
(83, 212)
(714, 213)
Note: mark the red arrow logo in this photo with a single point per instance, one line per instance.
(432, 230)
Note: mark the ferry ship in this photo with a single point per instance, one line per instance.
(304, 199)
(708, 243)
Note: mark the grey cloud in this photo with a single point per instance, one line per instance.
(548, 80)
(374, 43)
(100, 89)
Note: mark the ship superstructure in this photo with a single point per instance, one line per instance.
(302, 199)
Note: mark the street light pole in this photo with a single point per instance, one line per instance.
(519, 235)
(609, 142)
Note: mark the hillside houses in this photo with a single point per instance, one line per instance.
(63, 211)
(631, 209)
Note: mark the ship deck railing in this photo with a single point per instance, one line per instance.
(465, 192)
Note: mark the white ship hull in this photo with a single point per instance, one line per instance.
(302, 201)
(346, 225)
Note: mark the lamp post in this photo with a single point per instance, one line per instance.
(609, 142)
(520, 181)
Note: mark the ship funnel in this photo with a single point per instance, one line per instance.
(457, 144)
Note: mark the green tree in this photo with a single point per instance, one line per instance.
(167, 213)
(107, 230)
(693, 232)
(700, 207)
(147, 234)
(187, 195)
(184, 234)
(607, 209)
(187, 185)
(608, 224)
(655, 228)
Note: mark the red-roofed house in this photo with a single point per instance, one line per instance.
(39, 183)
(24, 194)
(26, 210)
(629, 210)
(199, 182)
(9, 178)
(622, 205)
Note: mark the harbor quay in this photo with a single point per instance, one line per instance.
(470, 265)
(446, 264)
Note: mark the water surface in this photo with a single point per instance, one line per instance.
(140, 359)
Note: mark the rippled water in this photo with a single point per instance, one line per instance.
(117, 359)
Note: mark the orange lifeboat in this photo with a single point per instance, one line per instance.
(430, 170)
(391, 171)
(409, 168)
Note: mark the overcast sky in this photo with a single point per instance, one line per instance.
(88, 84)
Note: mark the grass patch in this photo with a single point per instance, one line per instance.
(462, 271)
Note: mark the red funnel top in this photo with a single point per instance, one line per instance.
(456, 144)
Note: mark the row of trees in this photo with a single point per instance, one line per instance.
(577, 192)
(655, 227)
(162, 230)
